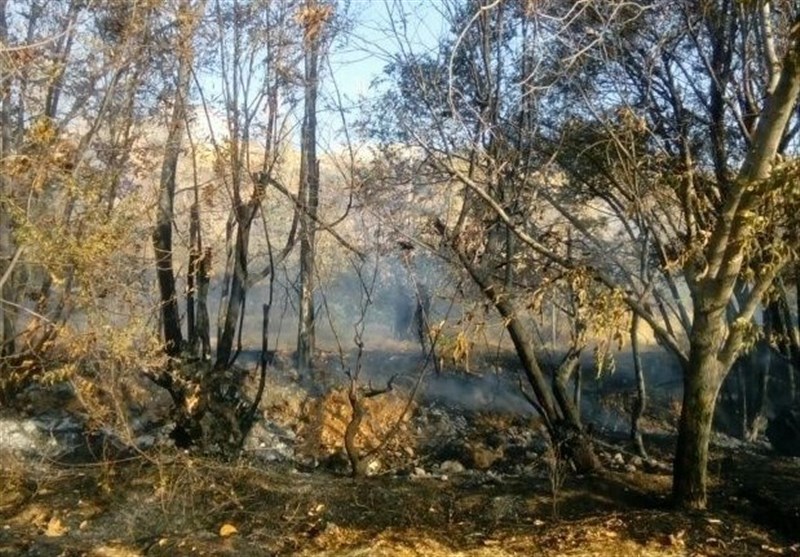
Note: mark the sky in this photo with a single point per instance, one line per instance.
(357, 60)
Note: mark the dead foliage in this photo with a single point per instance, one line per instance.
(325, 419)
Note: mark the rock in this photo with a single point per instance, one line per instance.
(630, 468)
(20, 435)
(373, 467)
(419, 473)
(452, 467)
(270, 442)
(618, 459)
(483, 458)
(783, 431)
(653, 466)
(637, 461)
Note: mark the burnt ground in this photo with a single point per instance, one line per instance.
(163, 502)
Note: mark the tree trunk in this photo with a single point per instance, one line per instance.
(561, 379)
(162, 235)
(557, 410)
(238, 285)
(640, 402)
(195, 253)
(701, 383)
(203, 322)
(309, 189)
(358, 465)
(7, 320)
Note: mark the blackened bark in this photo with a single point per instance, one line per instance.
(309, 198)
(162, 235)
(203, 322)
(237, 291)
(640, 401)
(195, 253)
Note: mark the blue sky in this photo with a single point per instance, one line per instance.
(361, 57)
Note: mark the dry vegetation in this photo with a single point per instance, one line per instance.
(175, 504)
(163, 502)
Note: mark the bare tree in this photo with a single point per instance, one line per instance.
(187, 17)
(314, 17)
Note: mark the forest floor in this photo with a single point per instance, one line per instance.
(165, 502)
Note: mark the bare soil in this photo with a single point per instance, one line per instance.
(176, 504)
(165, 502)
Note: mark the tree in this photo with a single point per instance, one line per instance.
(71, 122)
(248, 37)
(621, 122)
(714, 224)
(186, 21)
(314, 18)
(468, 120)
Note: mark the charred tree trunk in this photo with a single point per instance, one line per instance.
(309, 197)
(238, 285)
(162, 235)
(640, 402)
(557, 410)
(203, 322)
(195, 253)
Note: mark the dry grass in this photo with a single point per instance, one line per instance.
(175, 504)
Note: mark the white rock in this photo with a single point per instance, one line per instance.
(452, 467)
(373, 467)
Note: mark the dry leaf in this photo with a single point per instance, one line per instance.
(228, 530)
(55, 528)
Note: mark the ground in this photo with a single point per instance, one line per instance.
(175, 504)
(165, 502)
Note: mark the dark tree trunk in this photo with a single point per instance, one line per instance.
(162, 235)
(195, 253)
(203, 322)
(238, 286)
(557, 410)
(309, 198)
(7, 313)
(640, 402)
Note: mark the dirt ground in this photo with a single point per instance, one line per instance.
(165, 502)
(175, 504)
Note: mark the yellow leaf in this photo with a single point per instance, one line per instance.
(227, 530)
(55, 528)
